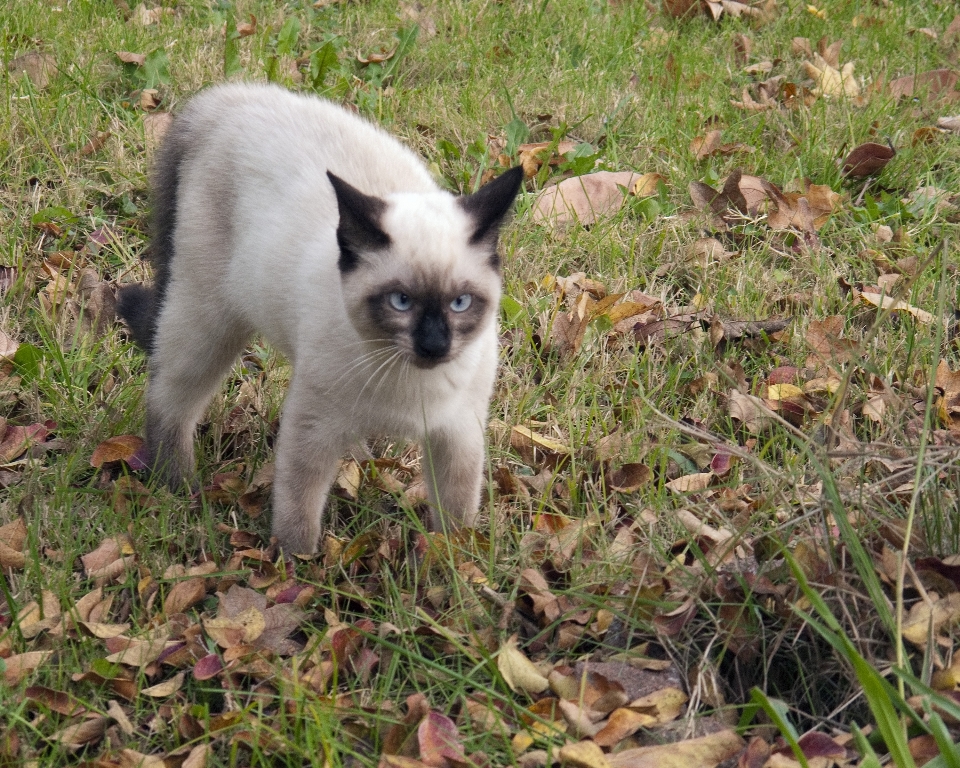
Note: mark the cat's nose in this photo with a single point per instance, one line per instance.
(431, 337)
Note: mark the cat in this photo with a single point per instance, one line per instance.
(286, 215)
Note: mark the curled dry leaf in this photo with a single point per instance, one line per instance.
(583, 754)
(13, 537)
(583, 198)
(82, 734)
(896, 305)
(694, 483)
(629, 477)
(829, 81)
(247, 28)
(750, 411)
(926, 617)
(138, 59)
(867, 159)
(117, 448)
(704, 752)
(518, 671)
(18, 666)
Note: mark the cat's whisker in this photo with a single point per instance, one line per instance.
(385, 364)
(366, 360)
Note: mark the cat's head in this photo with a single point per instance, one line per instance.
(420, 271)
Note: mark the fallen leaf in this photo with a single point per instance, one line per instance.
(934, 83)
(896, 305)
(439, 742)
(583, 198)
(694, 483)
(155, 127)
(38, 67)
(868, 159)
(247, 28)
(139, 59)
(829, 81)
(704, 146)
(117, 448)
(583, 754)
(704, 752)
(518, 671)
(19, 665)
(926, 617)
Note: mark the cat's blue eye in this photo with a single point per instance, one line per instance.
(461, 303)
(400, 301)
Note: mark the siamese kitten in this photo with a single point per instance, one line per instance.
(285, 215)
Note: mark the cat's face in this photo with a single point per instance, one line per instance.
(420, 273)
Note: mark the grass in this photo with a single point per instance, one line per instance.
(637, 86)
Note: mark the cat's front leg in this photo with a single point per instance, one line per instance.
(453, 471)
(308, 458)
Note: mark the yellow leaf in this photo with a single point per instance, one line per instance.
(646, 185)
(926, 617)
(895, 305)
(705, 752)
(583, 754)
(541, 441)
(518, 671)
(814, 11)
(166, 688)
(783, 391)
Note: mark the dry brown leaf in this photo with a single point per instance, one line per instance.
(38, 67)
(934, 83)
(868, 159)
(750, 411)
(709, 144)
(82, 734)
(648, 184)
(138, 653)
(155, 127)
(622, 723)
(132, 58)
(583, 198)
(247, 28)
(704, 752)
(698, 481)
(117, 448)
(824, 338)
(19, 665)
(184, 595)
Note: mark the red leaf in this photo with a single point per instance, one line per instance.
(209, 666)
(439, 741)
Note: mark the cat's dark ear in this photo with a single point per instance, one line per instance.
(489, 207)
(359, 228)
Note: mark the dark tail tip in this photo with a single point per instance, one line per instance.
(136, 304)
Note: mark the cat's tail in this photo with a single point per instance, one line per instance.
(140, 305)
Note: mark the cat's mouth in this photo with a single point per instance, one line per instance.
(426, 363)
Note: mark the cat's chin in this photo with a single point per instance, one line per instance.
(428, 363)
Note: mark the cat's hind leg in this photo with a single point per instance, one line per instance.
(195, 345)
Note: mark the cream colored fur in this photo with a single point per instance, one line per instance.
(255, 251)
